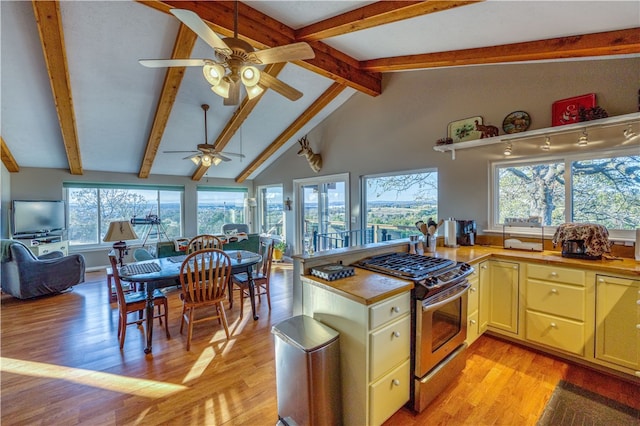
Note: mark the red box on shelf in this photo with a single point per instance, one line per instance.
(565, 111)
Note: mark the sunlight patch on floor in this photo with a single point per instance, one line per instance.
(96, 379)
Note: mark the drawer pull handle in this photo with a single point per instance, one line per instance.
(553, 325)
(473, 289)
(600, 280)
(554, 274)
(638, 326)
(554, 291)
(396, 334)
(483, 267)
(473, 322)
(395, 309)
(396, 382)
(638, 373)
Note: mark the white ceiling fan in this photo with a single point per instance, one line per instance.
(236, 61)
(206, 154)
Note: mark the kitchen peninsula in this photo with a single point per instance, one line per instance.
(537, 299)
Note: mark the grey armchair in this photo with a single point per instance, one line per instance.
(238, 227)
(25, 276)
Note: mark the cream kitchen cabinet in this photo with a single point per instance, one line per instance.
(555, 300)
(473, 307)
(618, 322)
(503, 296)
(374, 350)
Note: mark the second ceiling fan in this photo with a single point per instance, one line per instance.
(236, 61)
(206, 155)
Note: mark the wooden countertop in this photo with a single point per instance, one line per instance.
(364, 287)
(368, 287)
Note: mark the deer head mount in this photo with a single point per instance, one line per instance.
(314, 160)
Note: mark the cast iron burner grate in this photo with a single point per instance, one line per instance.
(406, 265)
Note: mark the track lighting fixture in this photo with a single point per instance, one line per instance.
(628, 132)
(547, 144)
(507, 149)
(583, 140)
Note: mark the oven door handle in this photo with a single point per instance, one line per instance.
(460, 290)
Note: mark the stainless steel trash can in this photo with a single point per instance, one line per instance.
(307, 372)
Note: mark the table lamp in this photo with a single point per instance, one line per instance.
(119, 231)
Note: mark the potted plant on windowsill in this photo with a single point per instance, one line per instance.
(279, 247)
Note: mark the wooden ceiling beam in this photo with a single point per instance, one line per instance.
(262, 32)
(232, 126)
(579, 46)
(49, 21)
(373, 15)
(185, 41)
(330, 94)
(7, 158)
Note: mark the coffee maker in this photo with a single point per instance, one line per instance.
(466, 232)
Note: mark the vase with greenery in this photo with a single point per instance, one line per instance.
(279, 248)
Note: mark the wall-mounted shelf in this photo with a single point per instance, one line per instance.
(614, 125)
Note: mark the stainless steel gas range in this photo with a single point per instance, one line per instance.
(439, 318)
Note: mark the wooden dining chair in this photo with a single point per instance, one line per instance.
(260, 278)
(136, 302)
(204, 241)
(204, 277)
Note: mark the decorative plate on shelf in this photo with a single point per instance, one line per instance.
(516, 122)
(464, 130)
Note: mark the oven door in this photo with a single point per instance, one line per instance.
(441, 327)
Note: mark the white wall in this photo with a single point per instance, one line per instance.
(5, 201)
(397, 130)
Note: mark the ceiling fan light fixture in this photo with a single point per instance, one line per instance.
(253, 91)
(222, 89)
(216, 161)
(250, 76)
(206, 160)
(213, 73)
(195, 159)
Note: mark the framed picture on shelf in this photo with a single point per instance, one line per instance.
(565, 111)
(464, 130)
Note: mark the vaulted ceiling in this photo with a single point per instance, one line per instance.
(75, 97)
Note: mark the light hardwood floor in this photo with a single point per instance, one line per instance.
(60, 364)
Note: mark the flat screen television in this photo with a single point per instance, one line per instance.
(31, 217)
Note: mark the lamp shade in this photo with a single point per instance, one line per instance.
(120, 230)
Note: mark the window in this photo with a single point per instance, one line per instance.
(395, 202)
(271, 210)
(217, 206)
(93, 206)
(601, 188)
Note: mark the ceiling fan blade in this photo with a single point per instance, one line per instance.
(220, 156)
(160, 63)
(234, 93)
(232, 154)
(198, 26)
(289, 52)
(176, 152)
(269, 81)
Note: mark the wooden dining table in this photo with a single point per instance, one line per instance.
(165, 272)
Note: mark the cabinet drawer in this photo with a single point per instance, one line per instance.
(472, 328)
(563, 334)
(472, 301)
(389, 310)
(556, 299)
(390, 346)
(389, 394)
(556, 274)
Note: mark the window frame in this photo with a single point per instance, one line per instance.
(240, 189)
(124, 186)
(568, 158)
(261, 207)
(363, 188)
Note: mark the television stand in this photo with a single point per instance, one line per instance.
(44, 245)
